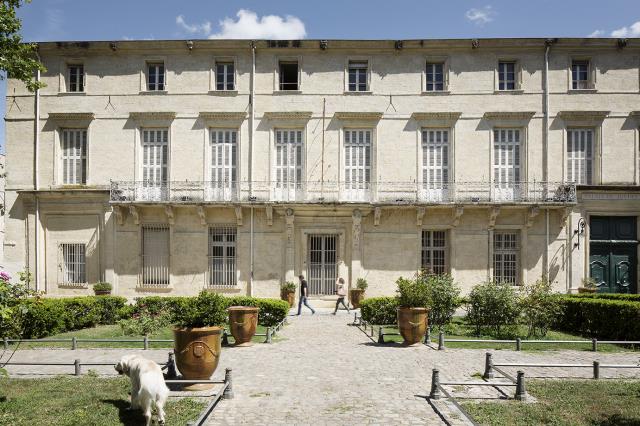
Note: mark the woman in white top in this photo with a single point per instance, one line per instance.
(342, 292)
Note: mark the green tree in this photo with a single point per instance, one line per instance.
(19, 60)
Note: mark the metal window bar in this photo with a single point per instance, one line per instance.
(73, 263)
(435, 77)
(505, 257)
(74, 156)
(225, 76)
(323, 268)
(155, 255)
(222, 256)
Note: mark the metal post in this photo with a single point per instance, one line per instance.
(380, 336)
(268, 335)
(518, 344)
(427, 336)
(74, 343)
(225, 338)
(171, 366)
(488, 367)
(441, 341)
(371, 330)
(355, 318)
(6, 343)
(521, 390)
(594, 344)
(228, 392)
(435, 384)
(146, 343)
(596, 369)
(76, 365)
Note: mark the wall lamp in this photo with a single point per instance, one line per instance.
(579, 231)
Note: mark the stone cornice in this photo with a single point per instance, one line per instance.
(288, 115)
(583, 115)
(223, 116)
(152, 115)
(635, 114)
(360, 116)
(509, 115)
(424, 116)
(71, 116)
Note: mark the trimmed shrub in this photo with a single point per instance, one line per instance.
(272, 311)
(155, 305)
(600, 318)
(40, 318)
(608, 296)
(443, 295)
(206, 310)
(494, 309)
(380, 310)
(79, 312)
(412, 293)
(110, 308)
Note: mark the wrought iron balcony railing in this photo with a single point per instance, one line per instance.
(192, 192)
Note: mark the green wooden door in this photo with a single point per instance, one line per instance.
(613, 254)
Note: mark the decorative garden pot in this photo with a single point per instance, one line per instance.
(243, 321)
(587, 290)
(288, 296)
(356, 295)
(412, 323)
(197, 352)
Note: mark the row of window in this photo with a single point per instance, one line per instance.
(288, 164)
(358, 76)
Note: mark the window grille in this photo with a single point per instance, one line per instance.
(506, 76)
(288, 168)
(74, 265)
(74, 156)
(289, 75)
(225, 76)
(580, 147)
(155, 77)
(580, 75)
(323, 270)
(222, 256)
(435, 162)
(223, 163)
(506, 254)
(357, 160)
(155, 255)
(434, 251)
(75, 78)
(358, 76)
(435, 77)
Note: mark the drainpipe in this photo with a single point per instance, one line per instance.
(251, 115)
(251, 256)
(545, 145)
(36, 181)
(546, 252)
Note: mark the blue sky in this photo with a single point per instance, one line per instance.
(49, 20)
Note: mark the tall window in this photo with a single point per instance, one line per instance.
(357, 162)
(506, 254)
(435, 76)
(222, 256)
(506, 163)
(225, 76)
(155, 76)
(435, 162)
(580, 153)
(288, 166)
(289, 75)
(155, 144)
(580, 75)
(75, 78)
(73, 263)
(74, 156)
(155, 255)
(358, 76)
(434, 251)
(223, 162)
(506, 76)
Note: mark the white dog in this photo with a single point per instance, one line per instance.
(147, 385)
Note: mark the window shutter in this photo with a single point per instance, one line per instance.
(592, 74)
(445, 72)
(518, 75)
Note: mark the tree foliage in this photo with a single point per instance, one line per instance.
(19, 60)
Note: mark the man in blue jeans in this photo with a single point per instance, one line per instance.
(304, 290)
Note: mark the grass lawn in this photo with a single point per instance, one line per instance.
(566, 402)
(115, 332)
(81, 401)
(459, 330)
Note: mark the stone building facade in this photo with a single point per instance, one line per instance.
(168, 167)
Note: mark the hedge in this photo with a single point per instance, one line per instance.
(608, 296)
(380, 310)
(600, 318)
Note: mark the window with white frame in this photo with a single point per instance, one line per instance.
(225, 75)
(155, 255)
(506, 257)
(358, 74)
(434, 251)
(224, 147)
(73, 263)
(580, 154)
(289, 75)
(289, 156)
(580, 74)
(222, 256)
(507, 77)
(435, 158)
(155, 146)
(506, 157)
(435, 77)
(155, 76)
(357, 159)
(74, 156)
(75, 78)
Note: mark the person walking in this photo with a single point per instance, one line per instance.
(342, 292)
(304, 291)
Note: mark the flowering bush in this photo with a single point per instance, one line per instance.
(11, 307)
(143, 322)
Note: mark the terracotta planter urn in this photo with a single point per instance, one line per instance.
(289, 297)
(355, 296)
(243, 321)
(197, 352)
(412, 323)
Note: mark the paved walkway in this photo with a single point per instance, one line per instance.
(322, 371)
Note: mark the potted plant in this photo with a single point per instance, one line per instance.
(197, 337)
(102, 289)
(357, 294)
(288, 292)
(589, 285)
(413, 297)
(243, 321)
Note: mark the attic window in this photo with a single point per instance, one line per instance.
(289, 75)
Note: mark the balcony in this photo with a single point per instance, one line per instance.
(199, 192)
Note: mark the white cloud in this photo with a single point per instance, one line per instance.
(631, 31)
(250, 26)
(204, 28)
(597, 33)
(480, 16)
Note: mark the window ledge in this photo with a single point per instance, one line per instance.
(72, 93)
(509, 92)
(287, 92)
(222, 289)
(153, 92)
(223, 92)
(143, 288)
(435, 92)
(577, 91)
(365, 92)
(74, 286)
